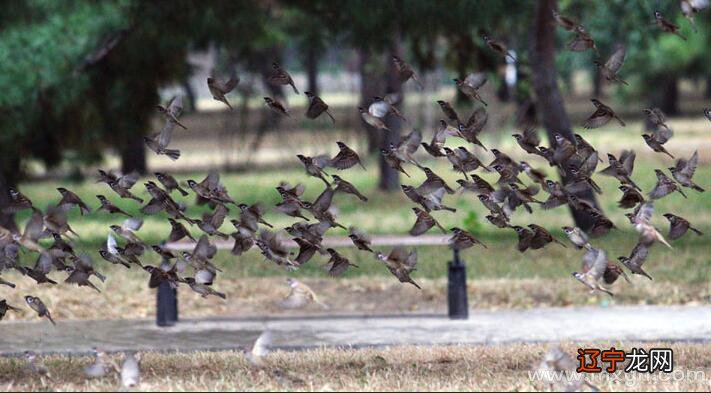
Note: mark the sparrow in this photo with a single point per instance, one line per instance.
(55, 220)
(678, 227)
(202, 289)
(630, 197)
(541, 237)
(307, 250)
(299, 296)
(424, 222)
(636, 259)
(4, 308)
(683, 171)
(169, 183)
(439, 138)
(276, 106)
(471, 84)
(219, 89)
(498, 47)
(38, 306)
(655, 145)
(462, 239)
(525, 236)
(280, 76)
(122, 185)
(211, 222)
(564, 149)
(18, 201)
(317, 106)
(534, 174)
(612, 66)
(360, 239)
(656, 117)
(111, 253)
(432, 183)
(383, 106)
(667, 26)
(130, 370)
(601, 225)
(70, 199)
(621, 169)
(582, 41)
(315, 165)
(642, 221)
(178, 231)
(161, 274)
(244, 239)
(477, 185)
(400, 263)
(337, 264)
(594, 271)
(173, 110)
(371, 120)
(159, 142)
(393, 161)
(405, 72)
(664, 186)
(290, 205)
(433, 201)
(347, 188)
(256, 356)
(273, 248)
(84, 264)
(474, 125)
(128, 228)
(101, 366)
(346, 158)
(564, 21)
(577, 236)
(34, 229)
(528, 140)
(602, 115)
(448, 111)
(107, 205)
(498, 220)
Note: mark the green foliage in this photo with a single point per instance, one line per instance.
(472, 223)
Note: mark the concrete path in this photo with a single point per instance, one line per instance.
(637, 323)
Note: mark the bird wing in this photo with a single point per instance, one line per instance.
(410, 142)
(166, 133)
(127, 181)
(35, 226)
(690, 166)
(132, 224)
(644, 213)
(475, 80)
(614, 63)
(261, 345)
(323, 202)
(598, 119)
(379, 108)
(627, 159)
(111, 244)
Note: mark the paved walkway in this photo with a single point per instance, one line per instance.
(638, 323)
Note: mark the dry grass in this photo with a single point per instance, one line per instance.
(408, 368)
(130, 297)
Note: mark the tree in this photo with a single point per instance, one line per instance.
(549, 102)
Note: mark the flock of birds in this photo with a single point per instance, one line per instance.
(575, 159)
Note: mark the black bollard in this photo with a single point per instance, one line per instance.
(457, 289)
(167, 307)
(167, 302)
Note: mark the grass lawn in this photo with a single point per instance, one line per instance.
(411, 368)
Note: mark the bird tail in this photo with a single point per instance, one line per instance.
(173, 154)
(411, 281)
(696, 231)
(293, 86)
(696, 187)
(100, 276)
(333, 119)
(220, 294)
(182, 192)
(50, 318)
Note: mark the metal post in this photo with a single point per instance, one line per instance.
(457, 289)
(167, 303)
(167, 308)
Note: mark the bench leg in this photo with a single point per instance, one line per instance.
(458, 304)
(167, 305)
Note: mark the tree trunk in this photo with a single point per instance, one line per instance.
(390, 178)
(9, 176)
(371, 85)
(549, 101)
(597, 83)
(311, 65)
(133, 155)
(669, 99)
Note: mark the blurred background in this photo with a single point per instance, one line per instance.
(80, 82)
